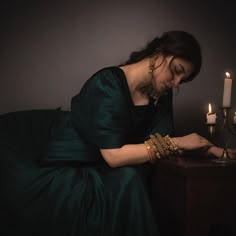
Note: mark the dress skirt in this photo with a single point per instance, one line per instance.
(76, 201)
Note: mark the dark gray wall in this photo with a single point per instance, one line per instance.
(49, 48)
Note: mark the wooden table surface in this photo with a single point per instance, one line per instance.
(195, 196)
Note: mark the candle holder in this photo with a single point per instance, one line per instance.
(226, 129)
(226, 123)
(211, 128)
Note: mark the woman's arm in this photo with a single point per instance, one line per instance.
(132, 154)
(129, 154)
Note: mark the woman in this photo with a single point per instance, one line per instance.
(94, 180)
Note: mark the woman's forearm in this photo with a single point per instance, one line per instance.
(129, 154)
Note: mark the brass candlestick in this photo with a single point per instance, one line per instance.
(227, 129)
(226, 123)
(211, 129)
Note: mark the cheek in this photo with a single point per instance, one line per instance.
(158, 83)
(163, 77)
(156, 79)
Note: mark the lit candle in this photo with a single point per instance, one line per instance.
(235, 118)
(211, 117)
(227, 90)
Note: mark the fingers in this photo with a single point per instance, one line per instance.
(217, 152)
(214, 151)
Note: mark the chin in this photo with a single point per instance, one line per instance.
(161, 90)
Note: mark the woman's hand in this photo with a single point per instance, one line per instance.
(217, 152)
(192, 142)
(196, 142)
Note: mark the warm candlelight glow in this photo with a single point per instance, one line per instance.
(209, 109)
(211, 117)
(227, 75)
(227, 90)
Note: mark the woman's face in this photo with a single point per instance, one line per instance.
(170, 73)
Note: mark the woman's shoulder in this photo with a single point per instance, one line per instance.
(107, 76)
(104, 88)
(108, 72)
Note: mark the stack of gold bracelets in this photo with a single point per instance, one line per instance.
(160, 147)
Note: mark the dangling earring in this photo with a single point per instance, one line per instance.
(152, 64)
(148, 89)
(152, 93)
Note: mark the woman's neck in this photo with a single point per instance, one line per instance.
(137, 76)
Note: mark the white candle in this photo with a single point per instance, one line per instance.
(211, 117)
(227, 90)
(235, 118)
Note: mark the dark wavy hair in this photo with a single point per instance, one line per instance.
(172, 43)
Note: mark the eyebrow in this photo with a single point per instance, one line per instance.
(182, 68)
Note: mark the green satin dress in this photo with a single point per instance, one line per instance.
(75, 193)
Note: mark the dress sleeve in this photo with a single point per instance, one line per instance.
(100, 111)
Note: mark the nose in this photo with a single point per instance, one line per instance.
(176, 81)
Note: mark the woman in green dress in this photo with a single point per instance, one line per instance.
(95, 178)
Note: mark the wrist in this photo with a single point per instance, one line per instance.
(176, 141)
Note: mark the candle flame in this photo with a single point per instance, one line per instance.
(227, 75)
(209, 109)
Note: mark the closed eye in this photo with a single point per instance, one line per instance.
(178, 71)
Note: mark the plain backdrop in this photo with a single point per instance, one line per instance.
(50, 48)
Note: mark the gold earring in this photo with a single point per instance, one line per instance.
(152, 64)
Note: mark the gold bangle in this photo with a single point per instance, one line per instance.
(172, 146)
(158, 145)
(151, 154)
(163, 145)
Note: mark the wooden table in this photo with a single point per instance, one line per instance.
(195, 196)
